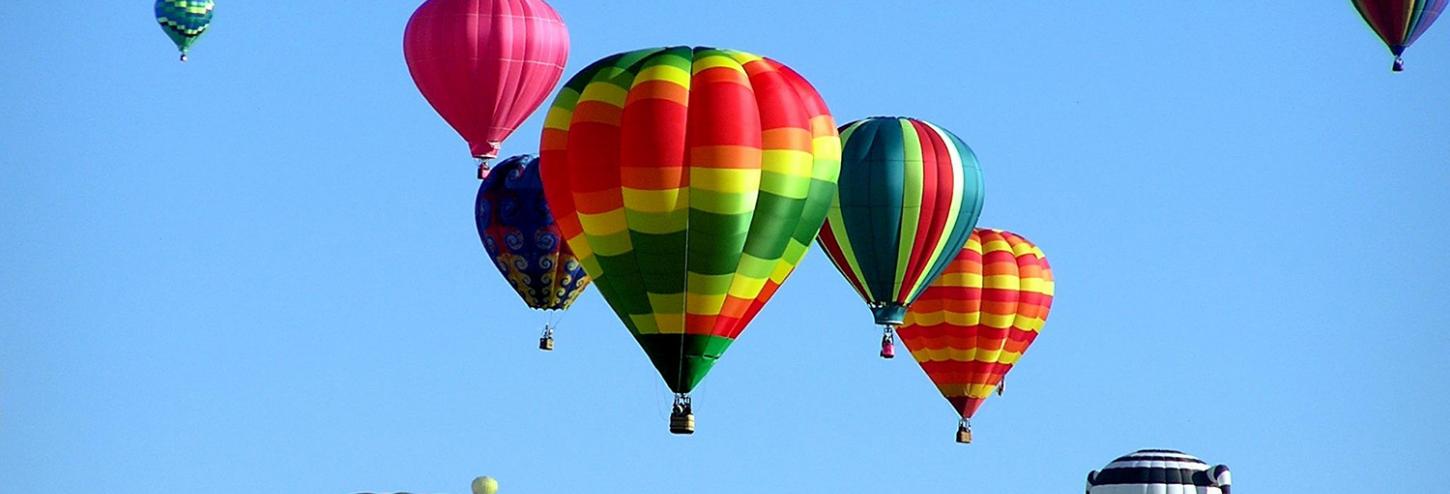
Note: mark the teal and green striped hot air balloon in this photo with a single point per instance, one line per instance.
(910, 193)
(184, 21)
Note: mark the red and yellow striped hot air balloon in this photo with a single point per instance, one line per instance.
(972, 325)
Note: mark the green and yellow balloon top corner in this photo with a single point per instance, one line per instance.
(184, 21)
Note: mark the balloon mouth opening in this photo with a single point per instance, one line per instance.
(889, 313)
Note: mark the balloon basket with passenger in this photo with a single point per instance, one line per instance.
(964, 431)
(682, 417)
(546, 342)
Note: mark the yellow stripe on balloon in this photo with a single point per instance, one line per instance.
(999, 321)
(558, 117)
(959, 279)
(788, 162)
(703, 304)
(926, 318)
(583, 251)
(785, 266)
(964, 318)
(606, 93)
(727, 180)
(1001, 281)
(743, 58)
(720, 61)
(997, 244)
(1032, 324)
(656, 200)
(606, 223)
(664, 72)
(1009, 358)
(746, 287)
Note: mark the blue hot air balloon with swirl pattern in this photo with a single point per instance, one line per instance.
(521, 237)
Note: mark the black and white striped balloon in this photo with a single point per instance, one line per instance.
(1159, 471)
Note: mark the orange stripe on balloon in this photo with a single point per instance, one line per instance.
(666, 91)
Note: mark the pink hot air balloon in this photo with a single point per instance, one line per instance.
(485, 65)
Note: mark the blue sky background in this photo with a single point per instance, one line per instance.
(258, 271)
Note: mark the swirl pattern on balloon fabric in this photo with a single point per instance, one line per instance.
(522, 238)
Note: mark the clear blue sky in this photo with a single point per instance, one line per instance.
(258, 271)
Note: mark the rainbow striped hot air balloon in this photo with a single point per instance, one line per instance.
(910, 193)
(690, 181)
(1400, 22)
(184, 21)
(974, 323)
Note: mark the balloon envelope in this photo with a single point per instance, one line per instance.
(1159, 471)
(184, 21)
(485, 485)
(910, 193)
(485, 65)
(1400, 22)
(690, 181)
(973, 324)
(522, 238)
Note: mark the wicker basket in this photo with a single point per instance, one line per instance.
(682, 423)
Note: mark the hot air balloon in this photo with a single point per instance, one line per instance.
(972, 325)
(690, 181)
(485, 65)
(910, 193)
(1400, 22)
(1159, 471)
(521, 237)
(184, 21)
(485, 485)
